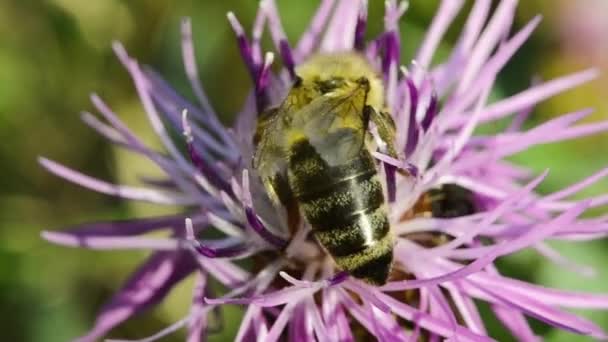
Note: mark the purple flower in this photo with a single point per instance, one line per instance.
(443, 264)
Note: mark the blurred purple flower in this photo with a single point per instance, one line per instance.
(293, 289)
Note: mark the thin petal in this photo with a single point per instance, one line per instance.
(146, 287)
(122, 191)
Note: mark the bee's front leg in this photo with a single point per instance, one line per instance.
(385, 126)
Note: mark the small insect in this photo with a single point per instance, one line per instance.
(313, 155)
(446, 201)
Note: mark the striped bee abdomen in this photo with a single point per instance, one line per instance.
(345, 206)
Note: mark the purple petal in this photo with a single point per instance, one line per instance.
(443, 18)
(131, 226)
(311, 37)
(545, 313)
(340, 33)
(122, 191)
(189, 60)
(244, 45)
(496, 29)
(361, 27)
(258, 227)
(111, 242)
(515, 321)
(563, 298)
(211, 138)
(431, 112)
(221, 252)
(536, 94)
(412, 127)
(429, 322)
(197, 324)
(146, 287)
(334, 317)
(281, 321)
(391, 183)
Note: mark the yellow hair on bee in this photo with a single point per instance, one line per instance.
(347, 65)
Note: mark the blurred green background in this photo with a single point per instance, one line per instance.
(54, 53)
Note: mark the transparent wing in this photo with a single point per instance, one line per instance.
(270, 156)
(335, 125)
(269, 159)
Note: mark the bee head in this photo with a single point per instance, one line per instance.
(328, 73)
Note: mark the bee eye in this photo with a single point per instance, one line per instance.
(330, 85)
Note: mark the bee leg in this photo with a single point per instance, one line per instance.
(387, 132)
(386, 128)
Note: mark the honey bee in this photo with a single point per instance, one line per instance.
(446, 201)
(313, 154)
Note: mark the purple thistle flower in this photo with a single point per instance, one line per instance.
(294, 290)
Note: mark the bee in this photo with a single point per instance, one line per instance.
(313, 155)
(446, 201)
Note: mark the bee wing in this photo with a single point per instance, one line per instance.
(335, 125)
(269, 159)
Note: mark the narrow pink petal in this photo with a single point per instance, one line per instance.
(578, 131)
(497, 28)
(146, 287)
(104, 130)
(462, 272)
(554, 256)
(439, 306)
(122, 191)
(319, 327)
(224, 271)
(517, 324)
(550, 296)
(281, 321)
(170, 167)
(310, 37)
(197, 324)
(111, 242)
(539, 233)
(429, 322)
(474, 24)
(159, 335)
(142, 87)
(443, 18)
(537, 94)
(172, 105)
(362, 316)
(340, 34)
(365, 292)
(189, 60)
(545, 313)
(491, 216)
(385, 325)
(334, 316)
(277, 33)
(445, 74)
(247, 322)
(468, 310)
(132, 226)
(488, 73)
